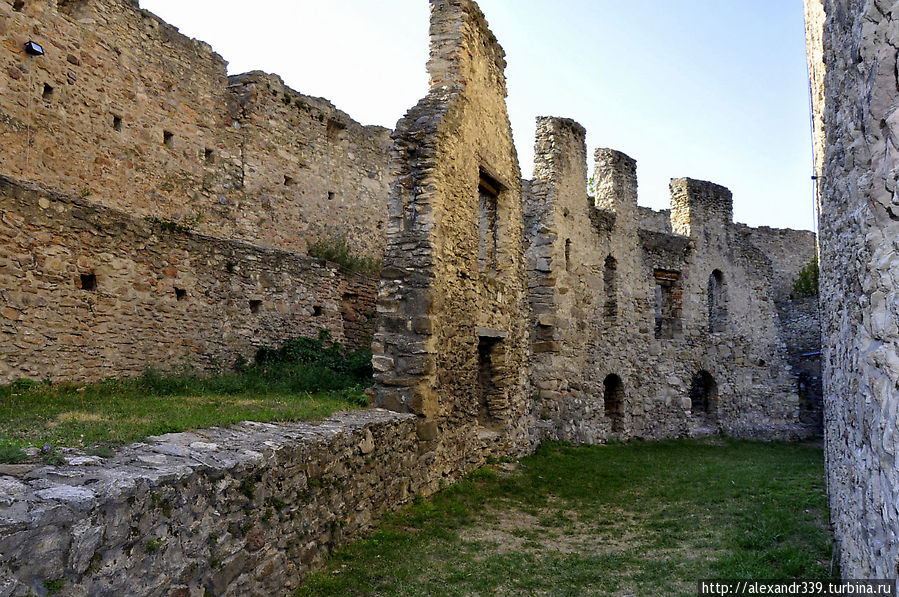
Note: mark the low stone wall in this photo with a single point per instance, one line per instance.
(90, 292)
(242, 511)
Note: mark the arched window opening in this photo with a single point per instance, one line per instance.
(703, 394)
(613, 402)
(717, 297)
(610, 282)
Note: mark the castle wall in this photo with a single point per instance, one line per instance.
(451, 342)
(89, 292)
(852, 56)
(657, 221)
(593, 277)
(788, 251)
(159, 130)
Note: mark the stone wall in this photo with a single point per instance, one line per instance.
(451, 341)
(89, 292)
(853, 56)
(625, 339)
(787, 250)
(242, 511)
(161, 131)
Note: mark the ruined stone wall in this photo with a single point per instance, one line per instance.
(451, 339)
(311, 171)
(89, 292)
(788, 250)
(657, 221)
(247, 510)
(604, 365)
(159, 130)
(853, 56)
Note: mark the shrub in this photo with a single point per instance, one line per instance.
(303, 359)
(338, 250)
(806, 282)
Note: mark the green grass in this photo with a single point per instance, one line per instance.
(631, 519)
(305, 379)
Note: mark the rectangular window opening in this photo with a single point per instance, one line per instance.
(331, 195)
(89, 282)
(668, 304)
(209, 155)
(48, 92)
(488, 223)
(18, 5)
(180, 294)
(491, 397)
(116, 123)
(335, 130)
(316, 310)
(254, 306)
(70, 7)
(168, 138)
(288, 181)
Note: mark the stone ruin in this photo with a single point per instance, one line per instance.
(529, 308)
(154, 210)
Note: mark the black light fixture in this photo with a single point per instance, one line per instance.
(33, 49)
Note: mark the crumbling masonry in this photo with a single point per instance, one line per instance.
(633, 323)
(154, 211)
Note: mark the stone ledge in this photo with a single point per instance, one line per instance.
(235, 511)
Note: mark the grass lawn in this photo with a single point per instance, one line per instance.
(305, 379)
(623, 519)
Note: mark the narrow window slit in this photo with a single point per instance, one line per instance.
(168, 138)
(116, 123)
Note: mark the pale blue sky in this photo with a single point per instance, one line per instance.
(711, 89)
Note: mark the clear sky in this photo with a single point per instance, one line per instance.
(710, 89)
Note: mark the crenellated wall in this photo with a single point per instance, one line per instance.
(623, 327)
(509, 312)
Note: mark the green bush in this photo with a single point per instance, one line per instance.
(337, 250)
(806, 282)
(315, 361)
